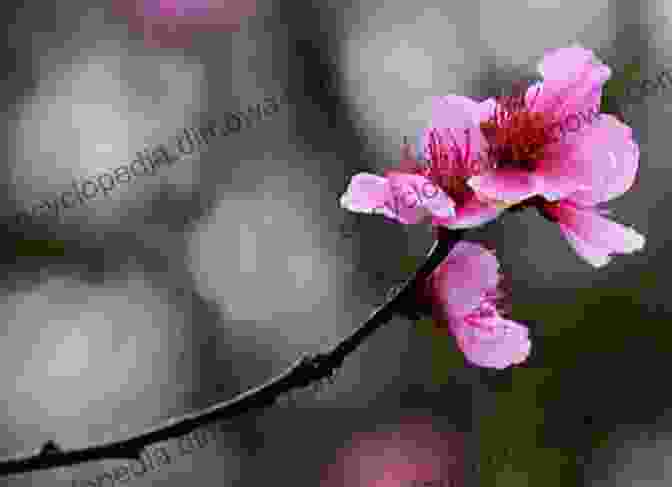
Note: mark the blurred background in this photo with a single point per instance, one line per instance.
(187, 287)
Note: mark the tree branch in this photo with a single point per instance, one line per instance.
(305, 371)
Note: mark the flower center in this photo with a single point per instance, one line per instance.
(517, 136)
(450, 166)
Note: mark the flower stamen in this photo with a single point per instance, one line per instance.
(517, 135)
(450, 166)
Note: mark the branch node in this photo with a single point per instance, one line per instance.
(50, 448)
(321, 366)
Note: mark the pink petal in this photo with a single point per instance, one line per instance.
(532, 95)
(613, 158)
(595, 237)
(505, 184)
(460, 280)
(556, 187)
(401, 197)
(599, 164)
(492, 341)
(455, 111)
(369, 193)
(365, 193)
(486, 109)
(595, 256)
(453, 117)
(472, 213)
(413, 196)
(559, 175)
(573, 79)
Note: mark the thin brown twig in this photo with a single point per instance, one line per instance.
(305, 371)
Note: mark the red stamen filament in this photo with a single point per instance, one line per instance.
(517, 135)
(450, 173)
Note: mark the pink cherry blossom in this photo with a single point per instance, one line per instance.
(171, 23)
(516, 137)
(414, 452)
(414, 191)
(463, 293)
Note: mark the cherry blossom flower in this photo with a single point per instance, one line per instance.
(529, 159)
(171, 23)
(413, 191)
(463, 293)
(507, 150)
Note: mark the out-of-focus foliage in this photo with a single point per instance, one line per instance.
(408, 264)
(39, 248)
(567, 400)
(614, 99)
(446, 357)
